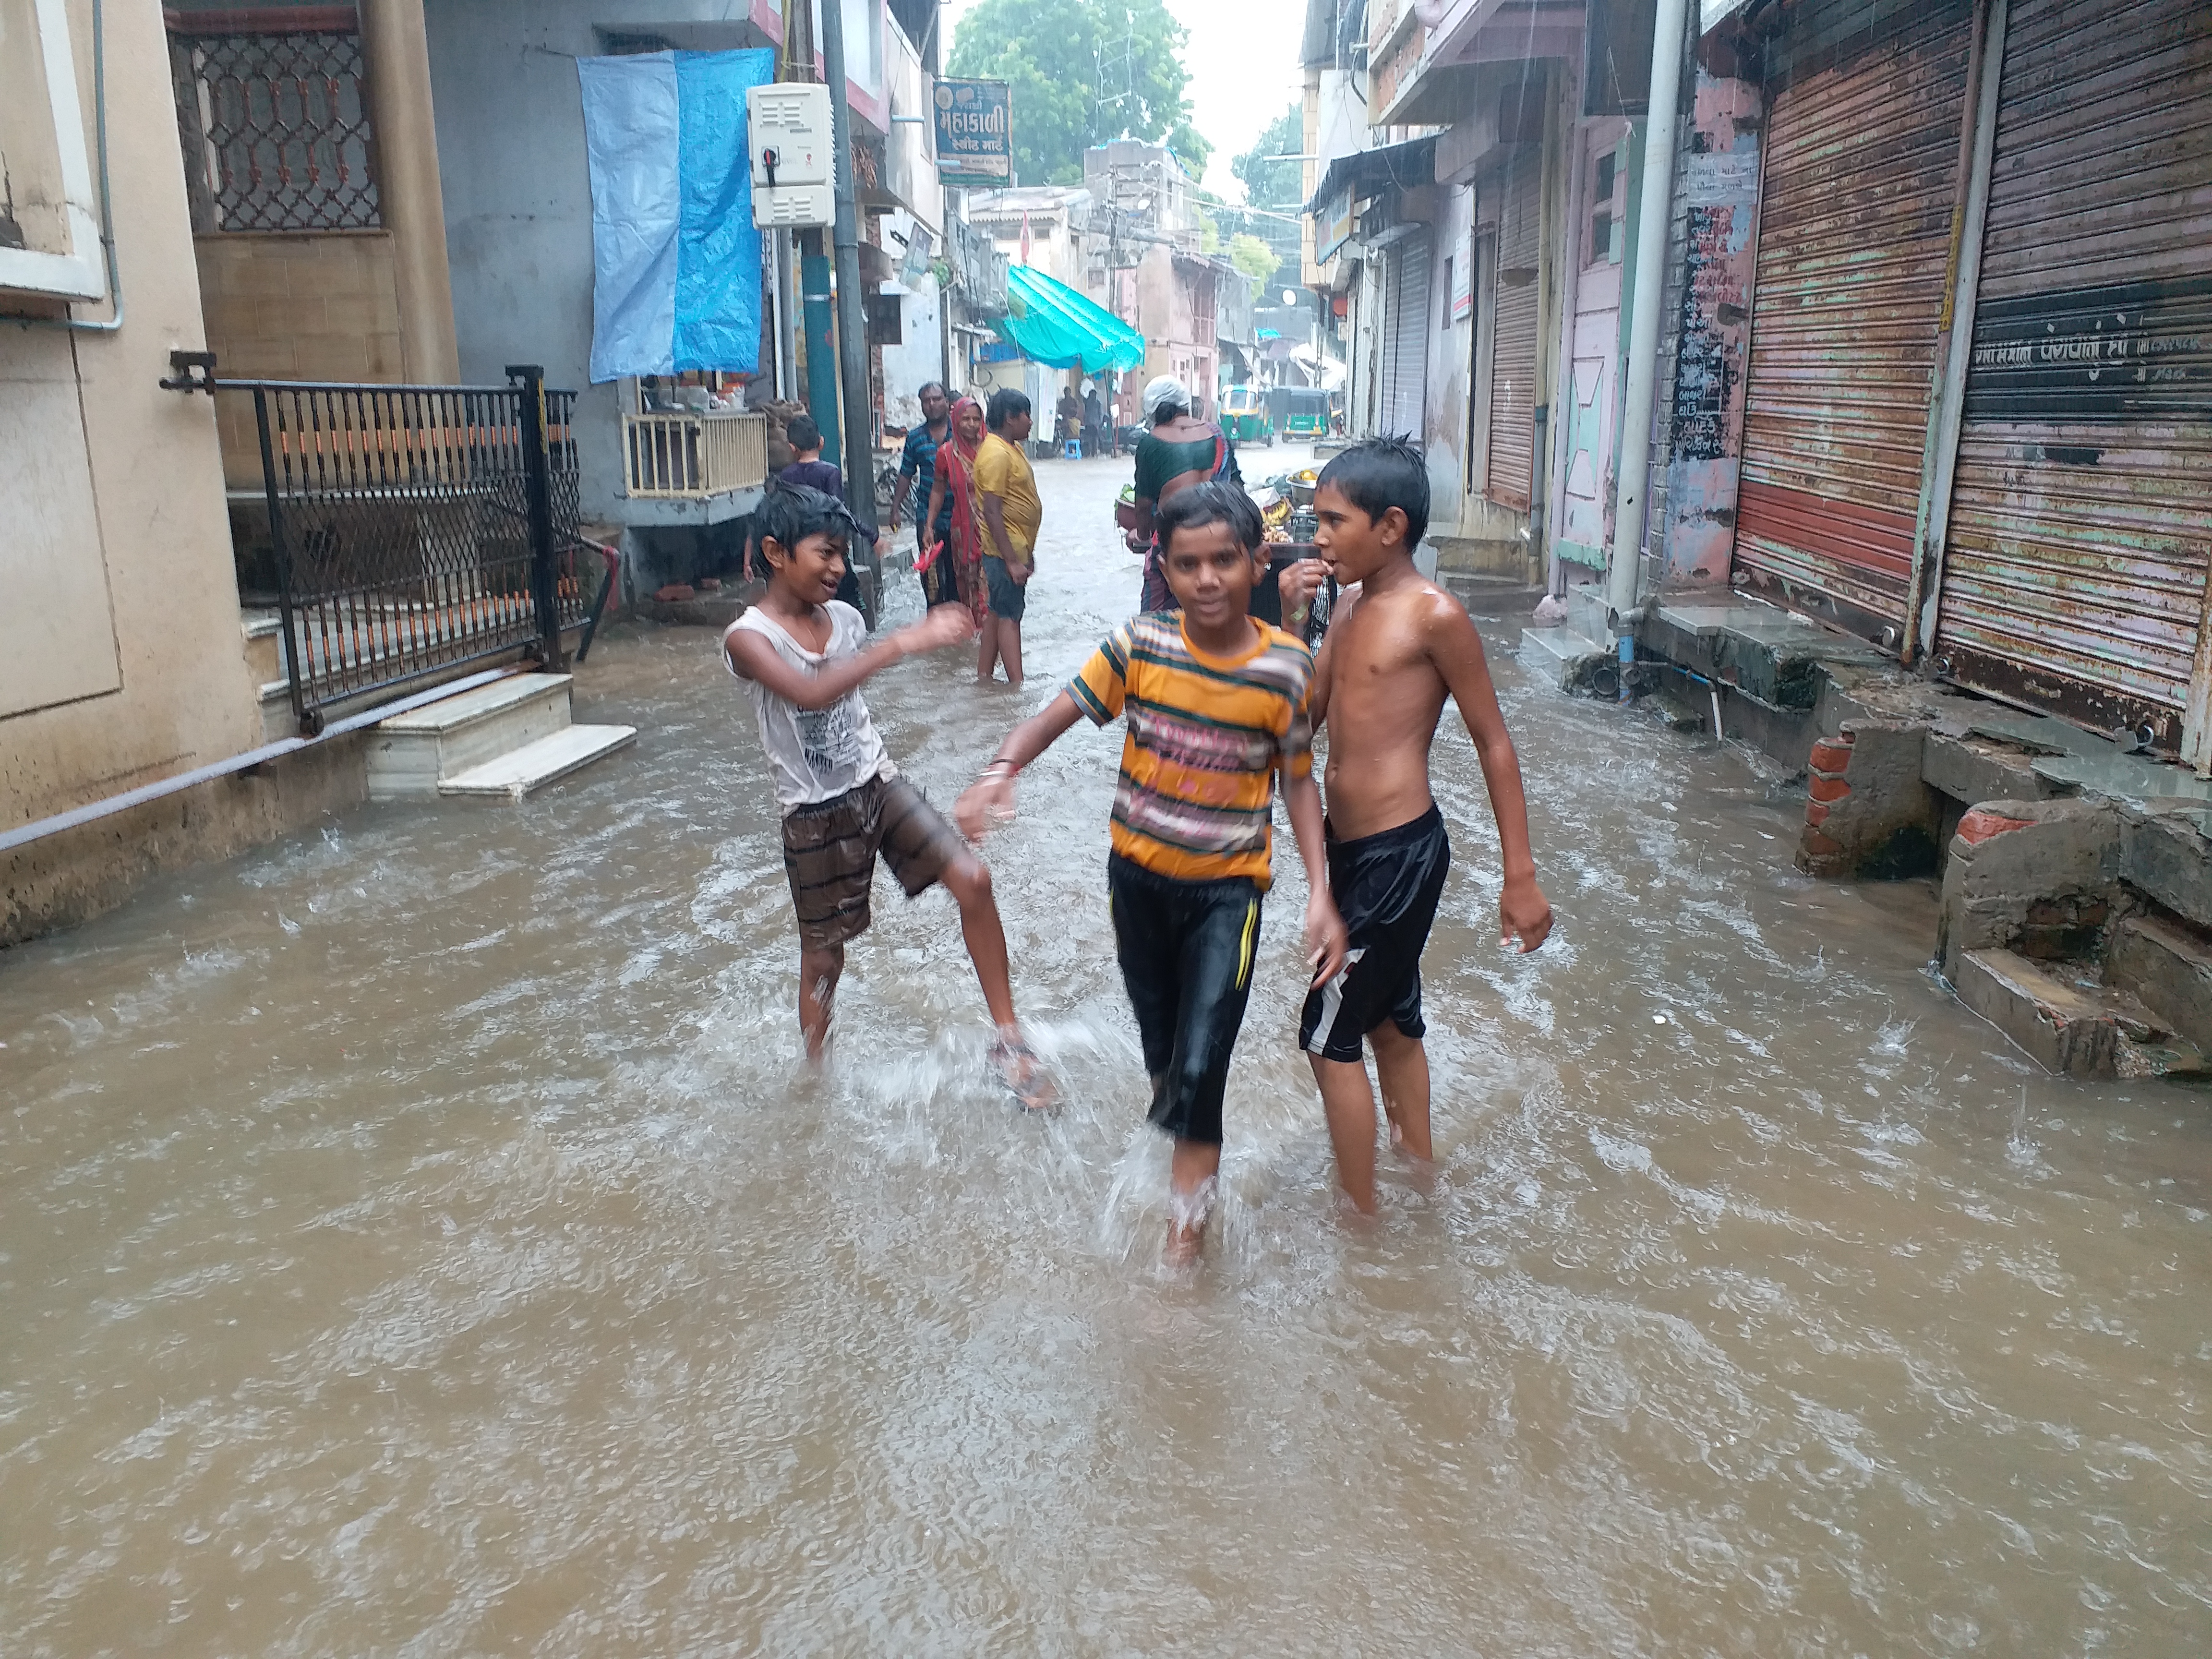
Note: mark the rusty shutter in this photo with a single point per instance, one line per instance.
(1859, 177)
(1513, 351)
(1406, 337)
(2074, 568)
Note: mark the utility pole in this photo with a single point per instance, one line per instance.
(851, 323)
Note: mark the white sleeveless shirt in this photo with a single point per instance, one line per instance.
(815, 754)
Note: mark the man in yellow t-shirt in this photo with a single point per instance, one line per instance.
(1006, 499)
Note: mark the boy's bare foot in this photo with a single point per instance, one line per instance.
(1187, 1214)
(1015, 1064)
(1183, 1246)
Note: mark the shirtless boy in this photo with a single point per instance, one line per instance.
(1396, 648)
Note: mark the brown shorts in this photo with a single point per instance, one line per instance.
(829, 853)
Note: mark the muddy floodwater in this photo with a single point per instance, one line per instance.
(417, 1237)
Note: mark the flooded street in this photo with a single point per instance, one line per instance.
(418, 1236)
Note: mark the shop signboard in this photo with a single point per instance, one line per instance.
(975, 132)
(1332, 225)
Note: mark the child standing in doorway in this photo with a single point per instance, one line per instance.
(1216, 706)
(1397, 645)
(803, 654)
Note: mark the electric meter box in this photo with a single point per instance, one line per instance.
(787, 126)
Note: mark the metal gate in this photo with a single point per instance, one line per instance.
(1512, 448)
(2073, 574)
(1406, 339)
(415, 528)
(1861, 177)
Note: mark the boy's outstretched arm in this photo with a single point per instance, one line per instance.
(1325, 939)
(992, 794)
(754, 658)
(1455, 649)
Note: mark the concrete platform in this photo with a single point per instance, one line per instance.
(417, 753)
(516, 773)
(1564, 657)
(2071, 1025)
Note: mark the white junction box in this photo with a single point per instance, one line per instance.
(787, 126)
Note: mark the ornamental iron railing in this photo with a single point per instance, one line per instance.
(414, 529)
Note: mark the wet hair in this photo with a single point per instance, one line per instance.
(928, 386)
(802, 433)
(1006, 404)
(1379, 475)
(791, 512)
(1208, 504)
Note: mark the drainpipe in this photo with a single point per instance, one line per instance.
(1657, 199)
(112, 323)
(851, 323)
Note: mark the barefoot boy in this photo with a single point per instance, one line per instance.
(1215, 703)
(803, 654)
(1395, 650)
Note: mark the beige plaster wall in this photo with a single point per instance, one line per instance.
(128, 539)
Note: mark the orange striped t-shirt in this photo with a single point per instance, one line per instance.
(1205, 736)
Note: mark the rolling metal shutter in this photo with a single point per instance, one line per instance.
(2074, 569)
(1513, 351)
(1861, 177)
(1406, 339)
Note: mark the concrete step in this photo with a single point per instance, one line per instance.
(2069, 1023)
(1588, 613)
(1490, 596)
(416, 754)
(2166, 965)
(514, 775)
(1562, 655)
(264, 646)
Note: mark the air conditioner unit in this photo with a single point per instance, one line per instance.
(787, 126)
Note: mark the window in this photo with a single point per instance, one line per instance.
(276, 128)
(49, 229)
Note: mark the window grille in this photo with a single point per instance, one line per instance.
(275, 130)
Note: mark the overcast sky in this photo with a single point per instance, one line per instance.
(1243, 62)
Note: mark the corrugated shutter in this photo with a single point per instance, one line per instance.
(1860, 179)
(1406, 337)
(1513, 351)
(2073, 573)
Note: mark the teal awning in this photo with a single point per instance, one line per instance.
(1049, 323)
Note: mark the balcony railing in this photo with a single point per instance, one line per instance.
(683, 457)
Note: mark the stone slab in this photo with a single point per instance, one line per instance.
(2124, 777)
(2068, 1028)
(514, 775)
(450, 714)
(1560, 654)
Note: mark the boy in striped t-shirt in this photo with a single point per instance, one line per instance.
(1216, 705)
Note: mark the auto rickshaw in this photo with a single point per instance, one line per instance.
(1299, 412)
(1244, 416)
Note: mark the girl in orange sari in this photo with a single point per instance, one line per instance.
(955, 478)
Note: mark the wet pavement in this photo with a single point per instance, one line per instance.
(418, 1236)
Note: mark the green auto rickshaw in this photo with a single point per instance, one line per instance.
(1299, 412)
(1244, 416)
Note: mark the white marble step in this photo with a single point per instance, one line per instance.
(514, 775)
(413, 753)
(1560, 654)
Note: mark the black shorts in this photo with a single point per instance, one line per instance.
(829, 853)
(1009, 599)
(1186, 949)
(1386, 887)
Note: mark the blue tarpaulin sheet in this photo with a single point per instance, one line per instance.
(1053, 324)
(676, 260)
